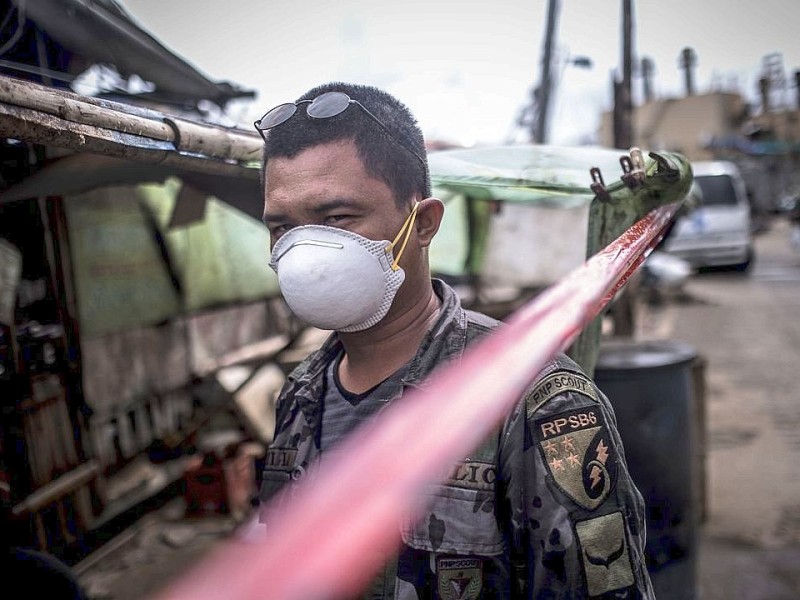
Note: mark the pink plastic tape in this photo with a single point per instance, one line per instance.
(328, 537)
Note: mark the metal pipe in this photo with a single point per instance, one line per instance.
(688, 61)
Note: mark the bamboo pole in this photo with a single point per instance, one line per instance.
(58, 488)
(74, 108)
(38, 114)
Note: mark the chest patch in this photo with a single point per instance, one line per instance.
(576, 447)
(459, 578)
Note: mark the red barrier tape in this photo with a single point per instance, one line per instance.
(341, 525)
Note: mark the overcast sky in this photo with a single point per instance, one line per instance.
(466, 67)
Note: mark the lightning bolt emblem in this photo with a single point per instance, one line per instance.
(602, 457)
(602, 452)
(595, 476)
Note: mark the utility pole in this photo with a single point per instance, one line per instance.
(623, 101)
(797, 87)
(648, 68)
(541, 98)
(622, 311)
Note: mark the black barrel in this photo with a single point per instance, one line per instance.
(650, 385)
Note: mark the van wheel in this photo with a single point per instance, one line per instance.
(744, 266)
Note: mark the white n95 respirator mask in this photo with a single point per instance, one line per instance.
(338, 280)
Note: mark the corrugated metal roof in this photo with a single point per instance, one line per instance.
(102, 32)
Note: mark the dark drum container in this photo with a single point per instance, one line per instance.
(650, 385)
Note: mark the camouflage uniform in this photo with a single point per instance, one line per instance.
(545, 508)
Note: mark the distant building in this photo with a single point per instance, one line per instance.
(720, 126)
(686, 125)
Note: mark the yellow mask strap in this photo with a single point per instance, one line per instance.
(406, 228)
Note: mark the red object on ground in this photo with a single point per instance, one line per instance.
(221, 484)
(338, 528)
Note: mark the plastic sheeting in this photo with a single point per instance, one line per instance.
(515, 215)
(130, 271)
(548, 175)
(222, 259)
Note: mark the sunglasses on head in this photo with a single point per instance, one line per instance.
(324, 106)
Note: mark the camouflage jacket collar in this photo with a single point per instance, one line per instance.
(446, 340)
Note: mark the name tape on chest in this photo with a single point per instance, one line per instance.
(559, 383)
(280, 459)
(473, 475)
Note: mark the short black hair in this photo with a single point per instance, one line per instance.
(383, 157)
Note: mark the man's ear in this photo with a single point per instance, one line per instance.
(429, 217)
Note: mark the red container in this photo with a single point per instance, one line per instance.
(217, 485)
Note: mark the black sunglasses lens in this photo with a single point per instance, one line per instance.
(276, 116)
(328, 105)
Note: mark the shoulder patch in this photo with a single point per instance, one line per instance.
(576, 449)
(558, 383)
(604, 553)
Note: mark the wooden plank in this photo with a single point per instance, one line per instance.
(65, 432)
(34, 461)
(10, 272)
(257, 352)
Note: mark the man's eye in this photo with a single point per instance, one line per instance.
(334, 219)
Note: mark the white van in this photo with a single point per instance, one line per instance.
(717, 231)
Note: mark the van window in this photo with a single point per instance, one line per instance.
(717, 190)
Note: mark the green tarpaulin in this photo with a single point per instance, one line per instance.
(549, 175)
(518, 214)
(130, 271)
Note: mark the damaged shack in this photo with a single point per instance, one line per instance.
(141, 330)
(138, 316)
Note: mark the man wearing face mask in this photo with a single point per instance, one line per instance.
(544, 508)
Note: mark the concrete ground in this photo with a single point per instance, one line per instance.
(747, 327)
(140, 561)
